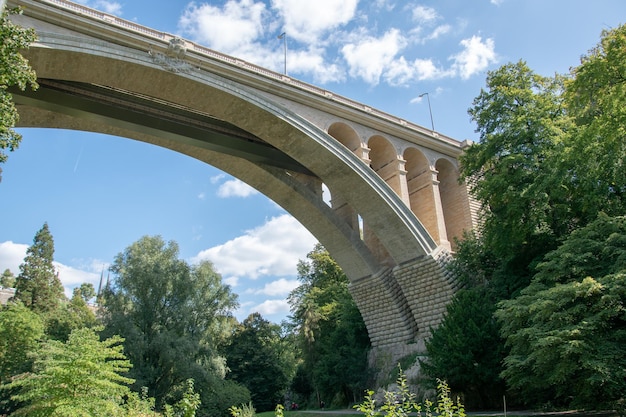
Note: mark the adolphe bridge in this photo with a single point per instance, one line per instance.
(395, 205)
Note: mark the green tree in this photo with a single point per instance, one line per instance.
(567, 330)
(466, 350)
(15, 72)
(82, 377)
(254, 356)
(596, 154)
(172, 315)
(522, 121)
(21, 330)
(333, 337)
(7, 280)
(38, 285)
(70, 315)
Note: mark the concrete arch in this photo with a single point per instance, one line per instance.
(128, 69)
(395, 266)
(348, 137)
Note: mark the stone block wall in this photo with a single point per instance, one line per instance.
(384, 308)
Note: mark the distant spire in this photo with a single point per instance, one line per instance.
(100, 285)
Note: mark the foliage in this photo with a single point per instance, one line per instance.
(20, 333)
(69, 315)
(38, 285)
(77, 378)
(332, 335)
(224, 393)
(566, 331)
(466, 349)
(521, 120)
(401, 402)
(139, 404)
(246, 410)
(186, 406)
(596, 154)
(15, 72)
(7, 280)
(256, 358)
(173, 317)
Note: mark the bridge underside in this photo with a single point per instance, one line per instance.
(400, 285)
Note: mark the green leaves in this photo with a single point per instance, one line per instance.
(14, 71)
(566, 330)
(82, 377)
(173, 316)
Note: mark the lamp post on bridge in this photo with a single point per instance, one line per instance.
(283, 36)
(429, 109)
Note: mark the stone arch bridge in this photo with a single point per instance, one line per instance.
(396, 204)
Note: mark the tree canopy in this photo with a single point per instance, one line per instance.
(567, 330)
(332, 335)
(82, 377)
(38, 285)
(258, 359)
(15, 72)
(172, 315)
(549, 163)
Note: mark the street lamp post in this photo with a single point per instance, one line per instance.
(283, 36)
(429, 109)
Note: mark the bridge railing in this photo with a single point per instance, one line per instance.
(211, 53)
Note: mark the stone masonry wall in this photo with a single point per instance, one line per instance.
(428, 287)
(385, 311)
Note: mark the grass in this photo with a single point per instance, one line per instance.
(312, 413)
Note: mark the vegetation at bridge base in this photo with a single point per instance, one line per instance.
(15, 72)
(550, 255)
(331, 335)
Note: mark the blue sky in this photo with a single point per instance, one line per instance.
(99, 194)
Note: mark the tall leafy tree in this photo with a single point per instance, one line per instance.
(567, 330)
(466, 350)
(38, 285)
(21, 331)
(521, 120)
(82, 377)
(256, 358)
(596, 154)
(15, 72)
(172, 315)
(333, 337)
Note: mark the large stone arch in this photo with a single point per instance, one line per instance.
(95, 62)
(396, 277)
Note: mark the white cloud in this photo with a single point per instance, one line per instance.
(235, 188)
(401, 72)
(307, 21)
(423, 14)
(231, 29)
(272, 249)
(11, 256)
(313, 63)
(281, 287)
(111, 7)
(368, 57)
(72, 277)
(475, 57)
(270, 307)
